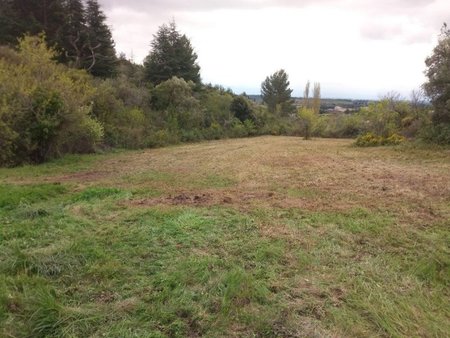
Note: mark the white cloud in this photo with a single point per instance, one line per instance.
(354, 48)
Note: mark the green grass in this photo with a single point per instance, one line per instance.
(13, 195)
(77, 260)
(67, 164)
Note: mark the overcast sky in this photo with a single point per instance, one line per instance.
(354, 48)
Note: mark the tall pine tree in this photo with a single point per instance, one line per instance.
(171, 55)
(101, 59)
(74, 43)
(276, 93)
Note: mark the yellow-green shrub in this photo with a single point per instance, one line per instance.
(372, 140)
(394, 139)
(369, 140)
(308, 119)
(44, 106)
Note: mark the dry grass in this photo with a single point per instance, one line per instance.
(283, 172)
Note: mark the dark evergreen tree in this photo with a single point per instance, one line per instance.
(101, 59)
(241, 109)
(171, 55)
(79, 34)
(75, 43)
(10, 24)
(276, 93)
(19, 17)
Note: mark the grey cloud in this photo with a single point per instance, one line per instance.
(204, 5)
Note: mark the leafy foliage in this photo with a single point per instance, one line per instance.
(216, 103)
(381, 117)
(120, 106)
(174, 99)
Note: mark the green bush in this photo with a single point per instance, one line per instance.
(241, 108)
(381, 118)
(439, 134)
(250, 128)
(128, 130)
(84, 136)
(215, 104)
(191, 135)
(345, 125)
(213, 132)
(238, 129)
(176, 106)
(125, 126)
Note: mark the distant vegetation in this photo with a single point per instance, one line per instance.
(71, 94)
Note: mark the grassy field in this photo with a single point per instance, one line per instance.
(261, 237)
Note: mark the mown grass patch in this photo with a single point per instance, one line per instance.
(65, 165)
(13, 195)
(97, 193)
(79, 260)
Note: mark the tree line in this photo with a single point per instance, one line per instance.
(72, 94)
